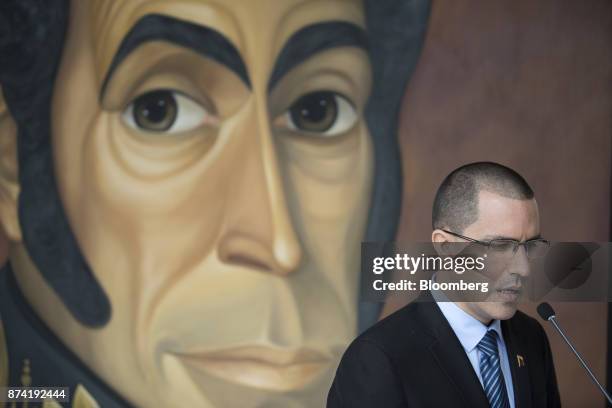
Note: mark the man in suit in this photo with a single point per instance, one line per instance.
(462, 354)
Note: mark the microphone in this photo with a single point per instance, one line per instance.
(546, 312)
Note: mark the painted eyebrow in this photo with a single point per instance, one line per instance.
(202, 39)
(313, 39)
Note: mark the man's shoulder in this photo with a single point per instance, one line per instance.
(530, 331)
(411, 326)
(524, 323)
(399, 332)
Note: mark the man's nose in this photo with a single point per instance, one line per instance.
(519, 264)
(258, 230)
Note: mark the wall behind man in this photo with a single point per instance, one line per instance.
(526, 84)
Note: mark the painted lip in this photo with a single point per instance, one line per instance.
(260, 367)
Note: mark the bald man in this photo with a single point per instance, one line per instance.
(439, 353)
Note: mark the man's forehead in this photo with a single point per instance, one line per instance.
(257, 28)
(504, 217)
(495, 199)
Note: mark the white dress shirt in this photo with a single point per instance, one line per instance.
(470, 331)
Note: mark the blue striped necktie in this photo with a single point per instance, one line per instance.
(490, 370)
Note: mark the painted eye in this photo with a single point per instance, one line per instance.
(322, 113)
(165, 111)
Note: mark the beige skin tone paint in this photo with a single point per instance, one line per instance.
(499, 216)
(228, 243)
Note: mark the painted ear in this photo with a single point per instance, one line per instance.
(9, 181)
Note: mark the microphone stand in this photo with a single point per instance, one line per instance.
(553, 320)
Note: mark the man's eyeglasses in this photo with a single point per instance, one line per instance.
(534, 248)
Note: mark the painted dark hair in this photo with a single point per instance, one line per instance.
(31, 40)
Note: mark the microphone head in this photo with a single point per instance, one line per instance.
(545, 311)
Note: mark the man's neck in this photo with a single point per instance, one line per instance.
(467, 308)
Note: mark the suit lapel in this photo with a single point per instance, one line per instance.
(518, 366)
(450, 355)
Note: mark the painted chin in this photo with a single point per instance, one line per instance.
(259, 367)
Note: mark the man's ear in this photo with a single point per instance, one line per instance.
(9, 181)
(440, 239)
(439, 236)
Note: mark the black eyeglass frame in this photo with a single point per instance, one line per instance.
(487, 244)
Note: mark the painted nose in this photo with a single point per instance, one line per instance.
(259, 231)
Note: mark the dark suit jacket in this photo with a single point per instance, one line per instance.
(413, 359)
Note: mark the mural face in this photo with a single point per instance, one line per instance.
(219, 193)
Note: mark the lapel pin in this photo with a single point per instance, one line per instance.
(520, 360)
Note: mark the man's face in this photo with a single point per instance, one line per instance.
(503, 218)
(222, 215)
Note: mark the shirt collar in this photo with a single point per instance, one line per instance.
(468, 329)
